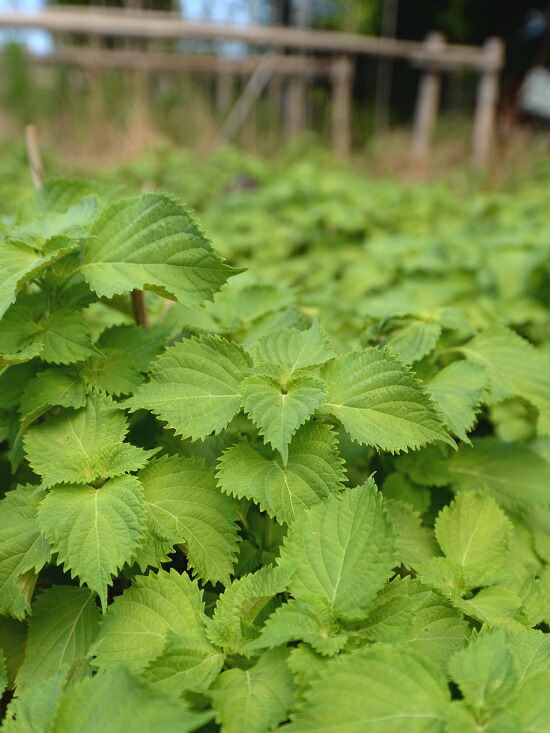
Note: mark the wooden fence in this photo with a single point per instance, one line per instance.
(333, 62)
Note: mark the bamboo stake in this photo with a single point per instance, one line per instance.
(33, 156)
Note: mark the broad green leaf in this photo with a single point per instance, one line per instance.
(116, 702)
(513, 420)
(153, 551)
(13, 638)
(532, 704)
(98, 316)
(537, 520)
(65, 339)
(512, 473)
(140, 345)
(237, 608)
(50, 387)
(306, 665)
(34, 710)
(134, 628)
(211, 448)
(531, 652)
(398, 487)
(151, 242)
(313, 472)
(79, 446)
(485, 672)
(63, 625)
(20, 357)
(6, 426)
(240, 303)
(279, 409)
(426, 467)
(462, 719)
(292, 349)
(452, 579)
(515, 368)
(21, 263)
(255, 700)
(13, 382)
(290, 317)
(59, 207)
(187, 662)
(3, 673)
(62, 194)
(23, 549)
(115, 373)
(94, 531)
(473, 531)
(342, 551)
(195, 386)
(128, 352)
(186, 507)
(18, 333)
(379, 402)
(295, 621)
(530, 590)
(415, 340)
(19, 336)
(439, 631)
(378, 688)
(458, 390)
(392, 613)
(545, 584)
(493, 606)
(415, 543)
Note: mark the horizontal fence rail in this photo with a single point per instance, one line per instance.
(105, 58)
(151, 24)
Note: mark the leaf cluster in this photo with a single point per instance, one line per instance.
(229, 521)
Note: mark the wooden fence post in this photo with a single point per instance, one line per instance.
(427, 102)
(487, 97)
(341, 72)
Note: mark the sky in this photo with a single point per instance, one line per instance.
(37, 40)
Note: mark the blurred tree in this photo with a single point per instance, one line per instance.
(453, 20)
(281, 11)
(358, 16)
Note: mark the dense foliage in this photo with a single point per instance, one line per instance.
(314, 494)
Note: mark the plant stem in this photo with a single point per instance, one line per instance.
(139, 306)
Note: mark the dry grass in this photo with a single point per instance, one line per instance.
(90, 128)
